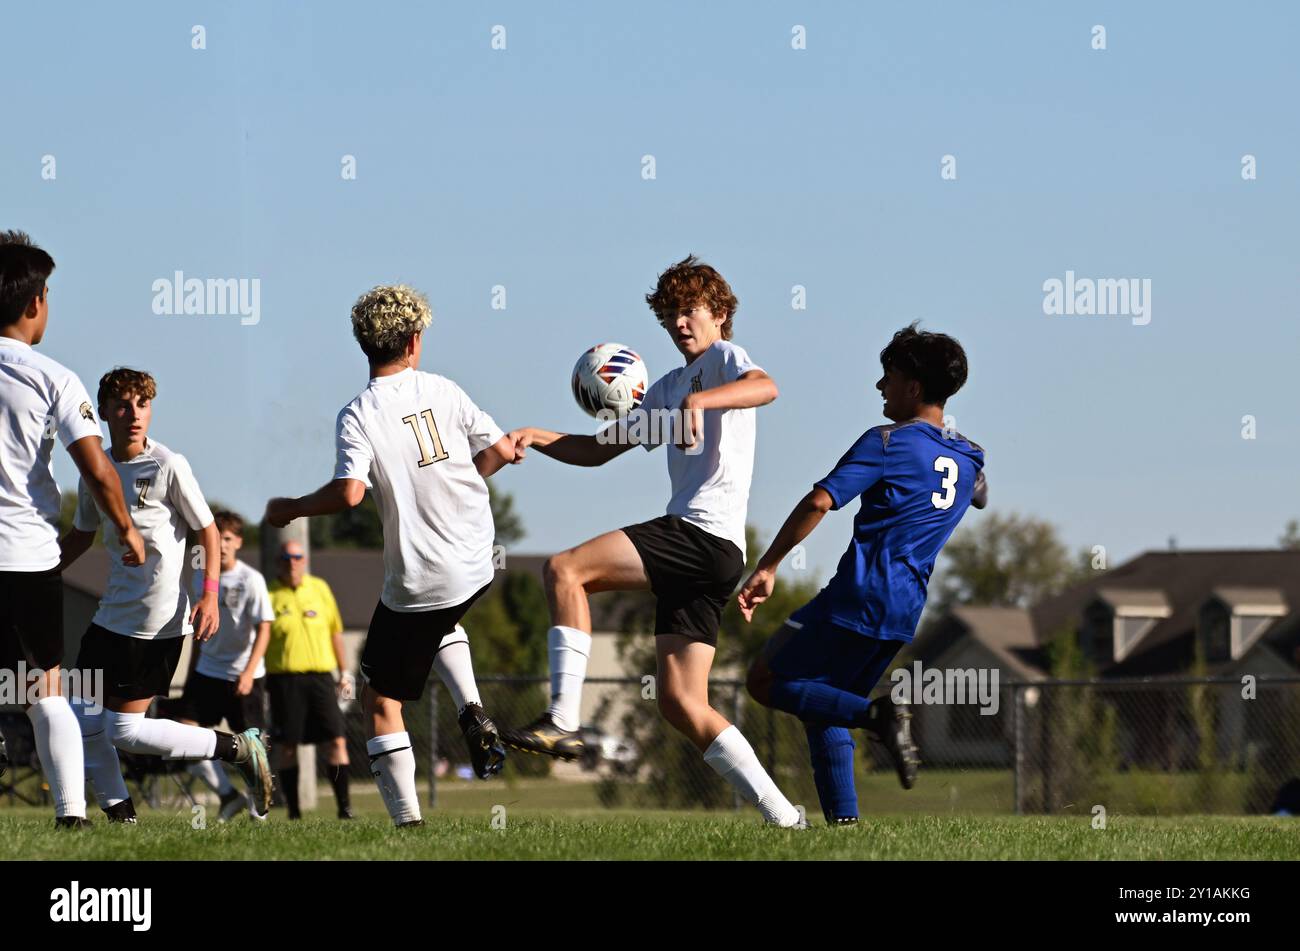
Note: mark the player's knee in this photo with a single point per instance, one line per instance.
(559, 571)
(680, 711)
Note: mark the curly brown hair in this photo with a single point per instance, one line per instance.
(123, 382)
(688, 283)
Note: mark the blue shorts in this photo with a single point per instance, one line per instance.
(827, 653)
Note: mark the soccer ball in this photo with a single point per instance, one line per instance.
(610, 377)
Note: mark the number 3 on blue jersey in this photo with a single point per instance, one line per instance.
(948, 468)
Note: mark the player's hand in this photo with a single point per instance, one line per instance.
(279, 512)
(692, 429)
(244, 685)
(205, 617)
(522, 439)
(133, 557)
(755, 591)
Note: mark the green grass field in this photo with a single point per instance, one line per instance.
(464, 830)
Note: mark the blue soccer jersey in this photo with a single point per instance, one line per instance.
(915, 484)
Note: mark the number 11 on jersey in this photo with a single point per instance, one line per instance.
(439, 453)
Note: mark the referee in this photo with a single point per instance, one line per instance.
(306, 649)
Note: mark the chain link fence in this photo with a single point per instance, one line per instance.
(1153, 747)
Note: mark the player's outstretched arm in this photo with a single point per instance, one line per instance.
(806, 516)
(337, 495)
(979, 497)
(500, 454)
(568, 448)
(106, 489)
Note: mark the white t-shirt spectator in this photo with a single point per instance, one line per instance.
(245, 604)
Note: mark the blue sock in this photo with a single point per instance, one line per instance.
(832, 762)
(815, 702)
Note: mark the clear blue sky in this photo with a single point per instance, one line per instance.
(817, 167)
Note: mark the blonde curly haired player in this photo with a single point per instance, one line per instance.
(422, 447)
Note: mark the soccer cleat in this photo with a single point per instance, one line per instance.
(121, 812)
(252, 761)
(232, 804)
(890, 724)
(346, 813)
(543, 736)
(842, 820)
(486, 753)
(71, 822)
(413, 824)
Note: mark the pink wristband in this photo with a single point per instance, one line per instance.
(211, 584)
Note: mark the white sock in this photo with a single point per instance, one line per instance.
(213, 775)
(569, 649)
(102, 766)
(58, 744)
(456, 670)
(735, 761)
(136, 733)
(392, 763)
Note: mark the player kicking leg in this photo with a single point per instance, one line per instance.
(915, 479)
(419, 443)
(136, 635)
(39, 400)
(691, 558)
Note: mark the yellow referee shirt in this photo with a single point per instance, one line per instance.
(306, 618)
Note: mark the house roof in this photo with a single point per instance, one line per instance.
(1185, 579)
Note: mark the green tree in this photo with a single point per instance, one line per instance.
(1006, 560)
(1291, 536)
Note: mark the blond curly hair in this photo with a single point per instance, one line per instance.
(385, 317)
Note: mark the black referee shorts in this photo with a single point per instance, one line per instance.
(31, 619)
(692, 574)
(304, 708)
(401, 645)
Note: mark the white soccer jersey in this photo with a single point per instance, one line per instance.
(164, 500)
(411, 437)
(38, 398)
(245, 604)
(710, 484)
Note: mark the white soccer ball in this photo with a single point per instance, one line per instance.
(610, 377)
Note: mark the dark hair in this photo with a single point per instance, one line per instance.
(690, 282)
(24, 269)
(228, 521)
(936, 361)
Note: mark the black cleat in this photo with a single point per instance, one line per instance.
(543, 736)
(486, 753)
(842, 820)
(122, 812)
(346, 813)
(413, 824)
(891, 725)
(71, 822)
